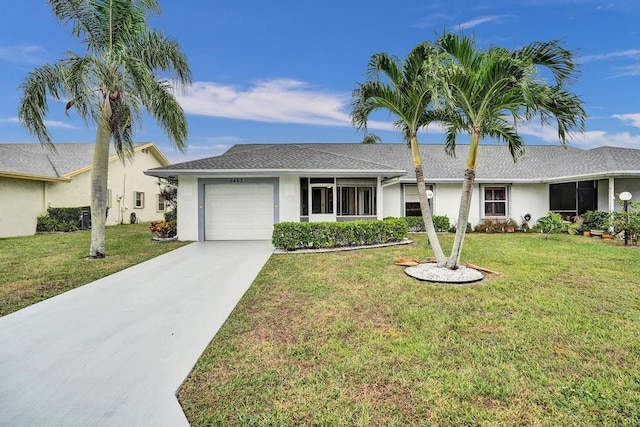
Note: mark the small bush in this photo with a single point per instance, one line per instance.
(301, 235)
(552, 223)
(171, 215)
(164, 229)
(416, 223)
(46, 224)
(59, 219)
(493, 226)
(64, 215)
(595, 220)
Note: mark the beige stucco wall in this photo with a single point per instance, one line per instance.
(124, 180)
(21, 201)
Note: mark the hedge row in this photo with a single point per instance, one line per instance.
(304, 235)
(440, 222)
(60, 219)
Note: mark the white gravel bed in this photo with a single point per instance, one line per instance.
(430, 272)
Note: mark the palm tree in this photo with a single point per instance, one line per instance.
(371, 138)
(490, 92)
(406, 90)
(110, 85)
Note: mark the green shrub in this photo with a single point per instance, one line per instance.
(171, 215)
(59, 219)
(301, 235)
(66, 214)
(595, 220)
(552, 223)
(416, 223)
(45, 224)
(627, 221)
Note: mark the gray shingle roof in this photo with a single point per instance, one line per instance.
(542, 163)
(38, 160)
(281, 157)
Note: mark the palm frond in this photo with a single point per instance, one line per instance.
(33, 103)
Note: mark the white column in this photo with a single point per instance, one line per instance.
(612, 195)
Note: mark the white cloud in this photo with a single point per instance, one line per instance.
(479, 21)
(273, 101)
(599, 138)
(24, 54)
(588, 139)
(47, 123)
(630, 53)
(631, 119)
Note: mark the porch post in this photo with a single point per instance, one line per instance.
(612, 194)
(379, 200)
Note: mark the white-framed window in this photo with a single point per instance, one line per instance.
(161, 203)
(412, 200)
(138, 199)
(495, 201)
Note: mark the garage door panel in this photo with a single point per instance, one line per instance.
(238, 212)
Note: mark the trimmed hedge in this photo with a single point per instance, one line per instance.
(440, 222)
(305, 235)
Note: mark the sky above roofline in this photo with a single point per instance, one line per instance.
(269, 72)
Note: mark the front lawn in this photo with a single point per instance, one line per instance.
(347, 339)
(35, 268)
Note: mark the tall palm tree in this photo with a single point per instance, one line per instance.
(110, 85)
(406, 90)
(490, 92)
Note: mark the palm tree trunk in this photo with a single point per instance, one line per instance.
(424, 204)
(465, 202)
(463, 218)
(99, 176)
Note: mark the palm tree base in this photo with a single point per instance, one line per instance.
(431, 272)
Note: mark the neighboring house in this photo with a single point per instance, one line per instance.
(34, 178)
(242, 193)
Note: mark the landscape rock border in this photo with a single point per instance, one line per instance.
(430, 272)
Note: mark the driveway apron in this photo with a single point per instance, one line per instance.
(115, 351)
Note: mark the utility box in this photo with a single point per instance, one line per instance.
(85, 220)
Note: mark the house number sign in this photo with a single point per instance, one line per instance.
(235, 180)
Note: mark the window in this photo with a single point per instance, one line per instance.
(495, 201)
(161, 203)
(108, 197)
(138, 199)
(412, 201)
(355, 201)
(322, 200)
(573, 198)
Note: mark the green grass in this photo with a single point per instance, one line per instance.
(348, 339)
(35, 268)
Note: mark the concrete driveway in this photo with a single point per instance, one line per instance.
(115, 351)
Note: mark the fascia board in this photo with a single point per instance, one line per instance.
(273, 172)
(30, 177)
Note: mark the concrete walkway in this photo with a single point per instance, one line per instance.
(115, 351)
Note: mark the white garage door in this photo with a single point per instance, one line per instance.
(238, 212)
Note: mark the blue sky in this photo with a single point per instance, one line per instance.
(283, 71)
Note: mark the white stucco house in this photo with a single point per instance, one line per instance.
(242, 193)
(34, 178)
